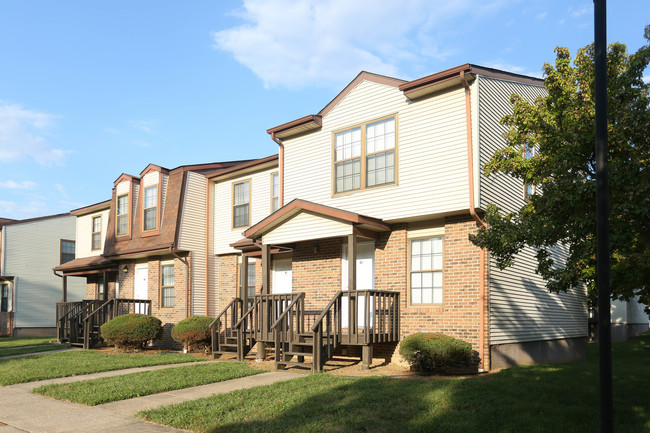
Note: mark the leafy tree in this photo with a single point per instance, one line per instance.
(561, 129)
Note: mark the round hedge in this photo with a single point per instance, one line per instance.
(131, 331)
(192, 331)
(428, 351)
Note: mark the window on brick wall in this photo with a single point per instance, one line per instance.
(426, 271)
(250, 284)
(167, 286)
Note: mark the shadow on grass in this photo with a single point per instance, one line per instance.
(542, 398)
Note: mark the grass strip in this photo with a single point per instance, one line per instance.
(71, 363)
(7, 342)
(32, 349)
(107, 389)
(539, 398)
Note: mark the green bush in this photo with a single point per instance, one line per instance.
(193, 331)
(427, 351)
(131, 331)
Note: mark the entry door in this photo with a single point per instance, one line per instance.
(141, 288)
(365, 280)
(282, 276)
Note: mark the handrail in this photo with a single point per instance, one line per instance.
(96, 310)
(223, 312)
(245, 316)
(301, 295)
(323, 313)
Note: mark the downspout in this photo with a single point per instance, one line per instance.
(280, 168)
(472, 211)
(187, 279)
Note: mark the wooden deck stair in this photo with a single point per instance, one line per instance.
(305, 338)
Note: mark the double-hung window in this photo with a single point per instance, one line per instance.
(275, 192)
(96, 241)
(167, 286)
(364, 156)
(151, 207)
(5, 302)
(241, 204)
(123, 215)
(426, 271)
(67, 251)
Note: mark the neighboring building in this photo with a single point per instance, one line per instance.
(390, 172)
(29, 249)
(147, 243)
(628, 319)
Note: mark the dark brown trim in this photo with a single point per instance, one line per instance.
(298, 205)
(245, 165)
(126, 177)
(505, 75)
(153, 167)
(155, 249)
(433, 78)
(30, 220)
(91, 272)
(179, 215)
(91, 208)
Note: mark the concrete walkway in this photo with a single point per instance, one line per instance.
(22, 411)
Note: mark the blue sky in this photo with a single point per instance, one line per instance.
(89, 90)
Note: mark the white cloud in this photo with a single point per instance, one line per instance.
(646, 79)
(144, 125)
(141, 143)
(61, 190)
(24, 209)
(541, 16)
(327, 42)
(23, 134)
(25, 184)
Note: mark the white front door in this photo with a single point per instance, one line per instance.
(282, 276)
(365, 280)
(141, 288)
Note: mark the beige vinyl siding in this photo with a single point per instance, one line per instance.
(260, 207)
(212, 263)
(122, 188)
(151, 178)
(628, 312)
(84, 234)
(306, 226)
(522, 309)
(494, 103)
(32, 250)
(163, 199)
(192, 235)
(134, 204)
(431, 155)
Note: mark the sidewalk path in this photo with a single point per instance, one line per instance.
(22, 411)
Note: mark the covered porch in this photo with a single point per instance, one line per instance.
(317, 293)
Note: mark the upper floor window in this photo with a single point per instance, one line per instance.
(426, 271)
(67, 251)
(96, 241)
(364, 156)
(241, 204)
(275, 192)
(151, 208)
(123, 215)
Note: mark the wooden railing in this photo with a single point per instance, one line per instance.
(288, 326)
(227, 319)
(372, 316)
(69, 317)
(245, 330)
(269, 309)
(107, 311)
(327, 327)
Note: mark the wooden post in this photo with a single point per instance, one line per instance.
(105, 283)
(261, 351)
(366, 357)
(266, 267)
(64, 297)
(243, 293)
(352, 285)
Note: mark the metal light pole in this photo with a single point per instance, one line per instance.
(602, 218)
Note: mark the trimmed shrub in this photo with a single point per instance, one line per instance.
(428, 351)
(131, 331)
(193, 331)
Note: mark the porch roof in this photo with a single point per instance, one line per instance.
(86, 264)
(302, 220)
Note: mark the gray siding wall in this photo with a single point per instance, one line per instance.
(32, 250)
(192, 235)
(521, 309)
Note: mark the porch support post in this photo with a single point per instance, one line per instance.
(266, 267)
(105, 283)
(64, 296)
(352, 285)
(243, 286)
(261, 351)
(366, 356)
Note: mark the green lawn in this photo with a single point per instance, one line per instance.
(32, 349)
(541, 398)
(7, 342)
(107, 389)
(62, 364)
